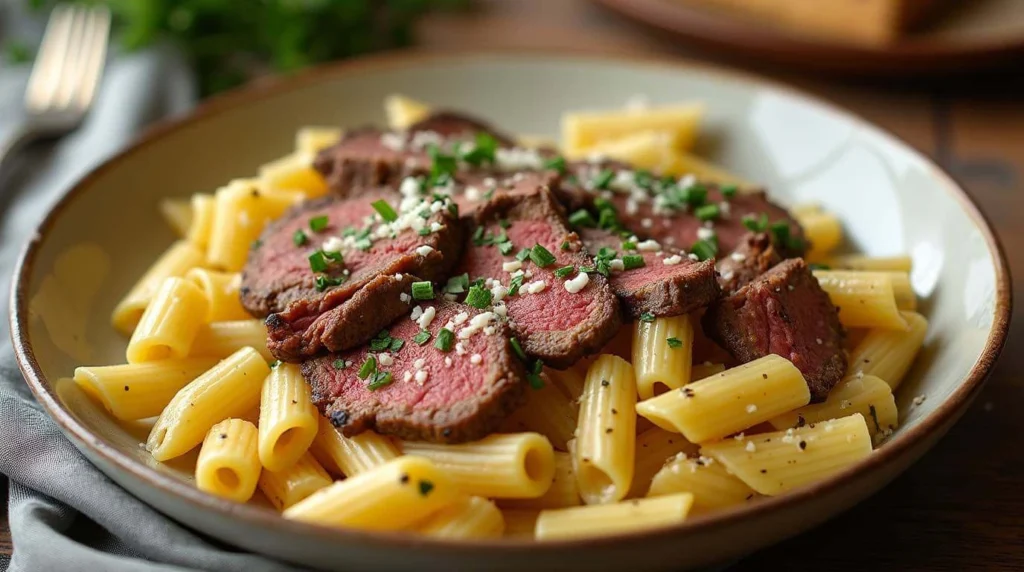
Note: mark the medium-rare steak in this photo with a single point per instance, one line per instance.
(538, 274)
(682, 212)
(650, 278)
(447, 374)
(752, 258)
(783, 312)
(331, 273)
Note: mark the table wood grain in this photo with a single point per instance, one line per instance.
(961, 506)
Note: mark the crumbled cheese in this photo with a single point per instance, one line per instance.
(419, 363)
(528, 274)
(688, 180)
(751, 447)
(448, 362)
(705, 233)
(416, 313)
(421, 139)
(617, 265)
(424, 250)
(578, 283)
(646, 222)
(460, 349)
(461, 317)
(498, 292)
(393, 141)
(751, 408)
(385, 359)
(490, 330)
(725, 208)
(631, 206)
(738, 256)
(472, 193)
(818, 340)
(693, 256)
(728, 274)
(517, 159)
(501, 309)
(845, 404)
(427, 317)
(407, 376)
(405, 298)
(436, 227)
(648, 246)
(475, 359)
(672, 260)
(518, 273)
(535, 287)
(512, 266)
(919, 400)
(421, 376)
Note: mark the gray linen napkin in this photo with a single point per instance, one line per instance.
(64, 514)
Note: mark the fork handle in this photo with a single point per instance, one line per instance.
(12, 142)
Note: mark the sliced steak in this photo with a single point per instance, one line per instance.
(752, 258)
(668, 284)
(667, 210)
(451, 125)
(783, 312)
(554, 324)
(444, 396)
(346, 304)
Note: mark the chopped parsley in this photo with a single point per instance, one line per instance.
(445, 340)
(273, 365)
(756, 224)
(385, 210)
(318, 223)
(603, 179)
(381, 342)
(694, 195)
(707, 212)
(482, 152)
(631, 261)
(421, 338)
(426, 487)
(422, 290)
(380, 379)
(556, 164)
(674, 343)
(582, 218)
(647, 317)
(564, 272)
(339, 364)
(515, 284)
(628, 245)
(541, 256)
(533, 375)
(478, 297)
(782, 236)
(506, 248)
(457, 284)
(324, 282)
(369, 367)
(523, 254)
(442, 167)
(504, 223)
(396, 344)
(517, 348)
(705, 249)
(729, 191)
(317, 262)
(299, 238)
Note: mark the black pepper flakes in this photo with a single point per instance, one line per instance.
(426, 487)
(764, 471)
(605, 383)
(764, 376)
(800, 421)
(687, 392)
(615, 411)
(223, 435)
(339, 418)
(608, 430)
(126, 388)
(404, 479)
(803, 445)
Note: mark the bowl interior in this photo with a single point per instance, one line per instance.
(890, 199)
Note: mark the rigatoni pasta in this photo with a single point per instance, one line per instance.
(170, 323)
(513, 465)
(594, 520)
(869, 263)
(311, 140)
(178, 214)
(711, 485)
(864, 394)
(288, 486)
(583, 129)
(179, 259)
(228, 465)
(240, 213)
(350, 456)
(293, 172)
(888, 354)
(774, 463)
(606, 436)
(548, 411)
(864, 299)
(203, 206)
(655, 447)
(563, 491)
(662, 354)
(468, 517)
(138, 391)
(731, 401)
(288, 418)
(222, 293)
(221, 339)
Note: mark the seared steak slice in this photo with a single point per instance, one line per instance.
(351, 299)
(459, 126)
(752, 258)
(668, 284)
(670, 210)
(444, 396)
(556, 319)
(783, 312)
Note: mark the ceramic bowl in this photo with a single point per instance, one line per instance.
(101, 236)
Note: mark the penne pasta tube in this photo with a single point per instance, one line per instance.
(774, 463)
(582, 130)
(170, 323)
(240, 213)
(563, 491)
(288, 418)
(711, 485)
(864, 394)
(138, 391)
(203, 206)
(864, 299)
(570, 381)
(547, 411)
(350, 456)
(606, 434)
(608, 519)
(221, 339)
(906, 299)
(519, 523)
(514, 465)
(888, 354)
(467, 517)
(823, 230)
(229, 389)
(179, 259)
(293, 172)
(651, 150)
(702, 370)
(178, 214)
(402, 111)
(221, 291)
(228, 465)
(310, 140)
(731, 401)
(392, 496)
(685, 163)
(286, 487)
(662, 354)
(866, 263)
(655, 447)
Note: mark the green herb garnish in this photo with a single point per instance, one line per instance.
(756, 224)
(631, 261)
(523, 254)
(674, 343)
(478, 297)
(483, 151)
(515, 284)
(556, 164)
(541, 256)
(384, 210)
(582, 218)
(704, 249)
(647, 317)
(517, 348)
(603, 179)
(369, 366)
(445, 339)
(422, 291)
(324, 282)
(381, 379)
(506, 248)
(457, 284)
(299, 238)
(317, 261)
(729, 191)
(564, 272)
(707, 212)
(318, 223)
(421, 338)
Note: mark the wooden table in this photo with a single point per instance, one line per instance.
(962, 506)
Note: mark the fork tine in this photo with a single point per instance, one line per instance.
(96, 54)
(72, 65)
(46, 71)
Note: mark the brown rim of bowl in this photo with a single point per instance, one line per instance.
(718, 31)
(46, 394)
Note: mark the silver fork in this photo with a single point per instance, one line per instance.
(64, 77)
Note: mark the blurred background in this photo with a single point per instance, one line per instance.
(945, 75)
